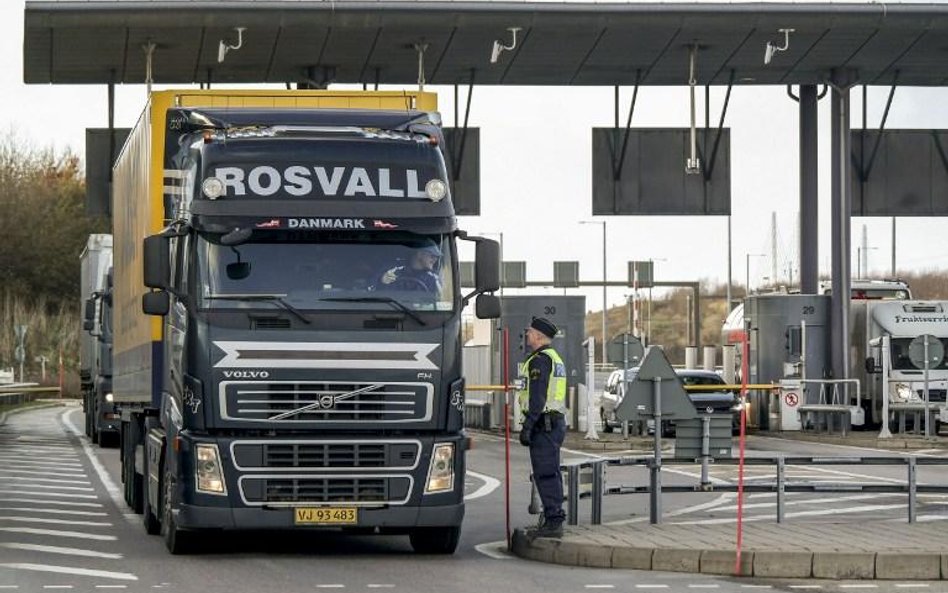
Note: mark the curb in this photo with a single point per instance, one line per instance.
(756, 563)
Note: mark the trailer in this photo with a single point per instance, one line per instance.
(95, 339)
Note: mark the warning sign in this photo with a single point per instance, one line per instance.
(791, 399)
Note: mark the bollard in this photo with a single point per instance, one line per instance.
(912, 469)
(597, 489)
(705, 450)
(781, 476)
(572, 514)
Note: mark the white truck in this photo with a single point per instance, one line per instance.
(882, 334)
(95, 346)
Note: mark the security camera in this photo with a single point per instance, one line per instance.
(224, 47)
(495, 52)
(221, 51)
(768, 53)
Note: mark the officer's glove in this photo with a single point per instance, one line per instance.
(389, 276)
(525, 436)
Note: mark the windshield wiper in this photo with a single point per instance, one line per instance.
(275, 298)
(395, 303)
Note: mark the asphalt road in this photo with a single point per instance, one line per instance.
(63, 526)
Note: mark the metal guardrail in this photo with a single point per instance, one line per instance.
(19, 394)
(780, 485)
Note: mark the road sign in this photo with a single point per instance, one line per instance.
(20, 354)
(616, 354)
(638, 403)
(20, 331)
(791, 399)
(936, 351)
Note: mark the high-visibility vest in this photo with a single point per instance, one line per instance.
(555, 388)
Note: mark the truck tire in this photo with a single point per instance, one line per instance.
(176, 540)
(435, 540)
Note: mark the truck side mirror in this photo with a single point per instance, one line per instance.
(157, 262)
(487, 306)
(88, 314)
(870, 365)
(156, 303)
(487, 266)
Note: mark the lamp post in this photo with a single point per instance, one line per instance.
(747, 270)
(604, 280)
(862, 261)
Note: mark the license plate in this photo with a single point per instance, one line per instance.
(326, 516)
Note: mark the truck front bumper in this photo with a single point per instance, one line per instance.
(393, 518)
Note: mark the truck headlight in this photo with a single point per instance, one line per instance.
(208, 474)
(903, 392)
(441, 469)
(109, 397)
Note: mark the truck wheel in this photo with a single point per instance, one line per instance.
(176, 540)
(435, 540)
(605, 421)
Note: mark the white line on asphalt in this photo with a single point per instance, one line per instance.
(57, 533)
(55, 512)
(490, 484)
(9, 586)
(114, 493)
(57, 586)
(111, 586)
(912, 585)
(27, 472)
(496, 550)
(651, 586)
(52, 487)
(809, 501)
(704, 586)
(331, 586)
(61, 550)
(859, 586)
(54, 521)
(18, 460)
(65, 503)
(55, 494)
(805, 586)
(757, 586)
(87, 572)
(47, 480)
(692, 509)
(380, 586)
(600, 586)
(815, 513)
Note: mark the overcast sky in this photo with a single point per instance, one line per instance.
(536, 171)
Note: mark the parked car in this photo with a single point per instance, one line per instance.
(717, 402)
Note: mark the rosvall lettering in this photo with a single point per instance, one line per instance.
(246, 374)
(300, 181)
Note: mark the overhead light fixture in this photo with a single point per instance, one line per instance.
(770, 49)
(500, 47)
(224, 47)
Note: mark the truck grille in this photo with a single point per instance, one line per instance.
(348, 455)
(364, 490)
(289, 402)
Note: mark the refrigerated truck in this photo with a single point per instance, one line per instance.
(95, 340)
(281, 362)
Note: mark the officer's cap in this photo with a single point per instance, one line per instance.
(430, 247)
(544, 326)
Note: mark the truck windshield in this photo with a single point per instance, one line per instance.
(901, 360)
(317, 270)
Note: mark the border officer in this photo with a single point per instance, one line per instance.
(543, 402)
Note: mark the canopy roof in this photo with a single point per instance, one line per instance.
(97, 41)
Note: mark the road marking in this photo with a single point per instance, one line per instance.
(88, 505)
(490, 484)
(692, 509)
(496, 550)
(47, 481)
(380, 586)
(651, 586)
(61, 550)
(73, 534)
(53, 494)
(331, 586)
(859, 586)
(815, 513)
(600, 586)
(704, 586)
(911, 585)
(57, 586)
(86, 572)
(757, 586)
(51, 487)
(114, 493)
(55, 521)
(111, 586)
(55, 512)
(75, 474)
(805, 586)
(37, 463)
